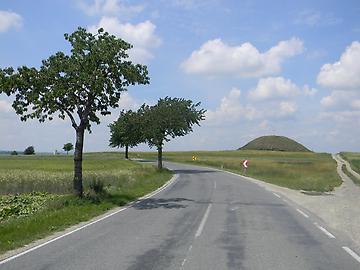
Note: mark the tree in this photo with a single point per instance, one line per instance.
(80, 86)
(14, 153)
(126, 131)
(29, 151)
(169, 118)
(68, 147)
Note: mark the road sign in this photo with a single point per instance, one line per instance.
(245, 163)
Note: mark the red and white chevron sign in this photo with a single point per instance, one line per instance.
(245, 163)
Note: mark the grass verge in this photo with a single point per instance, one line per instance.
(28, 217)
(350, 175)
(295, 170)
(353, 158)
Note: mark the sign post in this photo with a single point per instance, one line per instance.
(245, 165)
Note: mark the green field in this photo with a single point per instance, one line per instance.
(295, 170)
(35, 192)
(354, 160)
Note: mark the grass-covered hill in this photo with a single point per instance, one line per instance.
(275, 143)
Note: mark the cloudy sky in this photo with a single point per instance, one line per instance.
(288, 68)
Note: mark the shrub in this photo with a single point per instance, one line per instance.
(29, 151)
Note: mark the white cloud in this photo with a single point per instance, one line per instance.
(340, 100)
(231, 110)
(316, 18)
(127, 102)
(5, 106)
(9, 20)
(109, 7)
(274, 88)
(287, 108)
(141, 35)
(218, 58)
(308, 91)
(343, 74)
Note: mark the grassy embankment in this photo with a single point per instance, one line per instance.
(300, 170)
(354, 160)
(43, 203)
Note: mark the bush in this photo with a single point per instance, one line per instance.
(29, 151)
(14, 153)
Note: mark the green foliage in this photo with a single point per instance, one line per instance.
(14, 153)
(68, 147)
(275, 143)
(169, 118)
(126, 130)
(87, 81)
(29, 151)
(22, 205)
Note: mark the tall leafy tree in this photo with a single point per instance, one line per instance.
(80, 85)
(126, 131)
(169, 118)
(68, 147)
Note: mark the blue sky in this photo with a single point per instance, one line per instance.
(288, 68)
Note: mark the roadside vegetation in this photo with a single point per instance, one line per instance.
(353, 158)
(36, 192)
(296, 170)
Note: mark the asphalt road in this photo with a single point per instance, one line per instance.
(205, 220)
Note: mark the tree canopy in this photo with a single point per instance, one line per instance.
(169, 118)
(126, 131)
(81, 86)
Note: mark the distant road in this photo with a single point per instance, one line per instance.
(206, 220)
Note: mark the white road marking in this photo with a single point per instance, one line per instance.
(172, 180)
(183, 262)
(190, 248)
(214, 184)
(203, 221)
(301, 212)
(330, 235)
(352, 253)
(276, 195)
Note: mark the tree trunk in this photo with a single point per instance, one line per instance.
(160, 157)
(78, 185)
(126, 151)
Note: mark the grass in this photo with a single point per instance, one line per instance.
(353, 158)
(25, 217)
(350, 175)
(295, 170)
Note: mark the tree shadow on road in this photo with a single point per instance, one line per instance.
(173, 203)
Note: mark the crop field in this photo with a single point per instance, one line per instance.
(35, 192)
(296, 170)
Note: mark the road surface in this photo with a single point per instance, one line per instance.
(206, 219)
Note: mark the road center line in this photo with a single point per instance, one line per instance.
(214, 184)
(203, 221)
(301, 212)
(330, 235)
(276, 195)
(352, 253)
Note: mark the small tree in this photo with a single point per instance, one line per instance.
(14, 153)
(68, 147)
(80, 86)
(29, 151)
(169, 118)
(126, 131)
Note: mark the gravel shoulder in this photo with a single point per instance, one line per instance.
(338, 209)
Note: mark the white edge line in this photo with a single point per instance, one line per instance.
(202, 223)
(167, 184)
(276, 195)
(301, 212)
(330, 235)
(352, 253)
